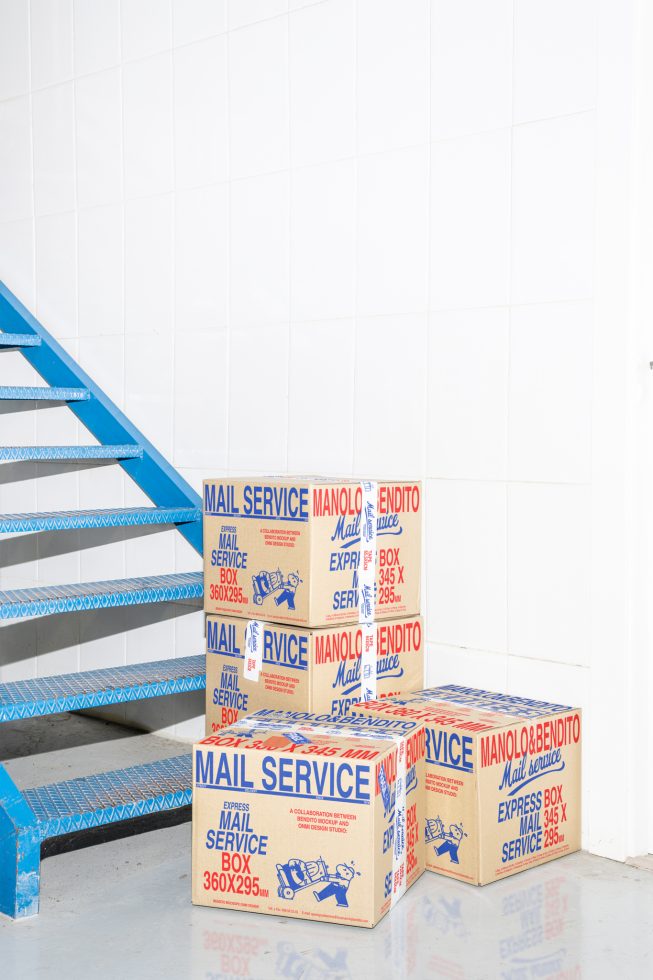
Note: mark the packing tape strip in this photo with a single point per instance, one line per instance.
(253, 649)
(367, 552)
(399, 872)
(368, 662)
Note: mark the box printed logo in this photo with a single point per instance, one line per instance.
(296, 875)
(445, 841)
(265, 584)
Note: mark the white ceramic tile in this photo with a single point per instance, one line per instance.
(468, 394)
(471, 66)
(57, 641)
(193, 20)
(549, 572)
(53, 114)
(148, 265)
(322, 246)
(100, 271)
(249, 11)
(258, 100)
(147, 120)
(555, 58)
(201, 149)
(390, 394)
(201, 259)
(102, 644)
(148, 401)
(550, 415)
(470, 221)
(56, 274)
(321, 397)
(392, 51)
(15, 160)
(201, 405)
(471, 668)
(146, 27)
(392, 232)
(322, 56)
(553, 209)
(259, 249)
(98, 116)
(103, 359)
(51, 32)
(545, 681)
(96, 35)
(466, 541)
(17, 259)
(18, 651)
(258, 398)
(14, 49)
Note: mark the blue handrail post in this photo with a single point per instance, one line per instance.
(20, 852)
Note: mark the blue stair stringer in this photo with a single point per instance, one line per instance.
(36, 815)
(29, 817)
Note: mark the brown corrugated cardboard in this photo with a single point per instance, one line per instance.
(312, 551)
(309, 818)
(310, 670)
(502, 779)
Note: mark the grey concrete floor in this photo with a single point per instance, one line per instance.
(122, 909)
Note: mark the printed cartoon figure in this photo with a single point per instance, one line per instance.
(445, 841)
(265, 583)
(295, 875)
(337, 886)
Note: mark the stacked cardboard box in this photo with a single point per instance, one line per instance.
(312, 591)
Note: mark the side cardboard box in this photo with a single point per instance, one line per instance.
(312, 819)
(310, 670)
(503, 779)
(289, 549)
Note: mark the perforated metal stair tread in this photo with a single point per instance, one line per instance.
(20, 340)
(41, 393)
(69, 520)
(50, 599)
(94, 801)
(51, 454)
(97, 688)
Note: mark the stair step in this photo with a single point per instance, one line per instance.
(94, 801)
(49, 599)
(20, 340)
(97, 688)
(72, 520)
(40, 393)
(51, 454)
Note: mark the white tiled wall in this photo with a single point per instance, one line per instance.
(354, 236)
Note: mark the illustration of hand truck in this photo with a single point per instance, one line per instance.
(267, 583)
(296, 875)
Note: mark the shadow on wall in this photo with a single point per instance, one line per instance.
(49, 544)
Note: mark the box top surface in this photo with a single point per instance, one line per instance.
(465, 707)
(283, 731)
(309, 480)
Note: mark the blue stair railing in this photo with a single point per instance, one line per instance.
(32, 816)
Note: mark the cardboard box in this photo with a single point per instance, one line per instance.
(310, 670)
(502, 779)
(313, 819)
(311, 551)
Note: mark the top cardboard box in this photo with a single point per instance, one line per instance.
(290, 550)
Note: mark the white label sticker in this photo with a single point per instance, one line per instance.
(367, 554)
(368, 662)
(253, 649)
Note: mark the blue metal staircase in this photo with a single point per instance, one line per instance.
(31, 816)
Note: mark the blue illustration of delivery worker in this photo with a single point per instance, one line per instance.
(337, 885)
(445, 841)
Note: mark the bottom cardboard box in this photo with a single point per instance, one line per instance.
(314, 820)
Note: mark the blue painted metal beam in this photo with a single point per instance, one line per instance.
(29, 393)
(98, 688)
(75, 520)
(36, 815)
(152, 472)
(51, 599)
(53, 454)
(16, 339)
